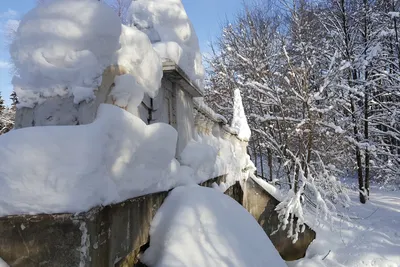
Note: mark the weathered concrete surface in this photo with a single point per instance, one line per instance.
(115, 235)
(106, 236)
(63, 110)
(262, 206)
(40, 240)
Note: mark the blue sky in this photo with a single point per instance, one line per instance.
(207, 17)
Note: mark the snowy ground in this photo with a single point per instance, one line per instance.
(371, 237)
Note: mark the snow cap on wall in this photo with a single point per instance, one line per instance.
(140, 60)
(239, 120)
(62, 48)
(171, 32)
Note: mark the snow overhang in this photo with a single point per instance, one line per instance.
(175, 74)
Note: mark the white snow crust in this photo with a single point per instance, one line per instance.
(59, 169)
(127, 91)
(199, 226)
(239, 120)
(62, 48)
(210, 156)
(3, 263)
(172, 34)
(272, 190)
(140, 60)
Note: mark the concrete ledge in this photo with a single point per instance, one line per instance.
(116, 234)
(262, 206)
(105, 236)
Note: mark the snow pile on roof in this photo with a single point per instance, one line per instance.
(199, 226)
(74, 168)
(62, 49)
(172, 34)
(139, 59)
(239, 120)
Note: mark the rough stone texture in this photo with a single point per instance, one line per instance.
(262, 206)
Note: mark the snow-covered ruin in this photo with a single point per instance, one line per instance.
(162, 135)
(108, 113)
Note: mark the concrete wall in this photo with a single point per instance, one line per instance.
(106, 236)
(184, 119)
(63, 111)
(262, 205)
(115, 235)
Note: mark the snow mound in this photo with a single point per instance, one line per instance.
(198, 226)
(140, 60)
(239, 120)
(58, 169)
(127, 91)
(210, 156)
(62, 48)
(170, 30)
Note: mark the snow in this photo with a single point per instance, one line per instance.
(62, 48)
(272, 190)
(200, 104)
(367, 235)
(127, 91)
(394, 14)
(3, 263)
(210, 156)
(170, 30)
(140, 60)
(239, 120)
(68, 58)
(74, 168)
(198, 226)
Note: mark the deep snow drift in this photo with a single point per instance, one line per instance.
(369, 235)
(74, 168)
(199, 226)
(172, 34)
